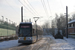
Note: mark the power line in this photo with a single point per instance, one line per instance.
(26, 7)
(30, 6)
(49, 7)
(11, 6)
(61, 5)
(44, 6)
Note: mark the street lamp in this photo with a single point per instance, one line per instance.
(7, 25)
(12, 22)
(50, 21)
(14, 27)
(2, 18)
(9, 21)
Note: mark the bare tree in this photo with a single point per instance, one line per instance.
(73, 16)
(46, 26)
(59, 22)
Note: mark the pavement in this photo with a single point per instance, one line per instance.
(71, 36)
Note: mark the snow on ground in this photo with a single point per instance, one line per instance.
(71, 41)
(8, 44)
(62, 44)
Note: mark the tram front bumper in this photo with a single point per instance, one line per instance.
(24, 41)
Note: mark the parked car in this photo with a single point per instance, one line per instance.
(58, 34)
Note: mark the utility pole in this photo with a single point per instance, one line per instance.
(67, 21)
(35, 19)
(21, 14)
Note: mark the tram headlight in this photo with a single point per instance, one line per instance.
(19, 38)
(29, 38)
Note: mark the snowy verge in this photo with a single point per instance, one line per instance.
(62, 43)
(8, 44)
(71, 41)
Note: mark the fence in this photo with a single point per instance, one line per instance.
(3, 32)
(7, 29)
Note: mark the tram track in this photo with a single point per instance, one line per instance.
(44, 46)
(41, 44)
(37, 45)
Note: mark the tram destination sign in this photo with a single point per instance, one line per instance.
(25, 26)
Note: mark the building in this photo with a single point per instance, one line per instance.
(71, 27)
(47, 31)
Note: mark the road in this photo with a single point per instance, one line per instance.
(47, 43)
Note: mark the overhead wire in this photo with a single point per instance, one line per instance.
(31, 7)
(50, 12)
(61, 5)
(49, 7)
(11, 6)
(44, 6)
(27, 8)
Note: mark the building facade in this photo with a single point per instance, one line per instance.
(71, 27)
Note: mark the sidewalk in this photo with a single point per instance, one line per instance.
(62, 44)
(71, 41)
(71, 36)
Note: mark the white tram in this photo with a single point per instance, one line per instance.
(27, 33)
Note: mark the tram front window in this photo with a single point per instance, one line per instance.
(24, 31)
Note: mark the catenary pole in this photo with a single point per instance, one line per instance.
(67, 21)
(21, 14)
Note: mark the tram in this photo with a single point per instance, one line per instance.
(27, 33)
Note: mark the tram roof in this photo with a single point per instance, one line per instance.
(71, 21)
(26, 23)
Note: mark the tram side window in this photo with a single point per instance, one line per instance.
(18, 30)
(33, 33)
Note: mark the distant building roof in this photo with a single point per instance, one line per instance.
(71, 21)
